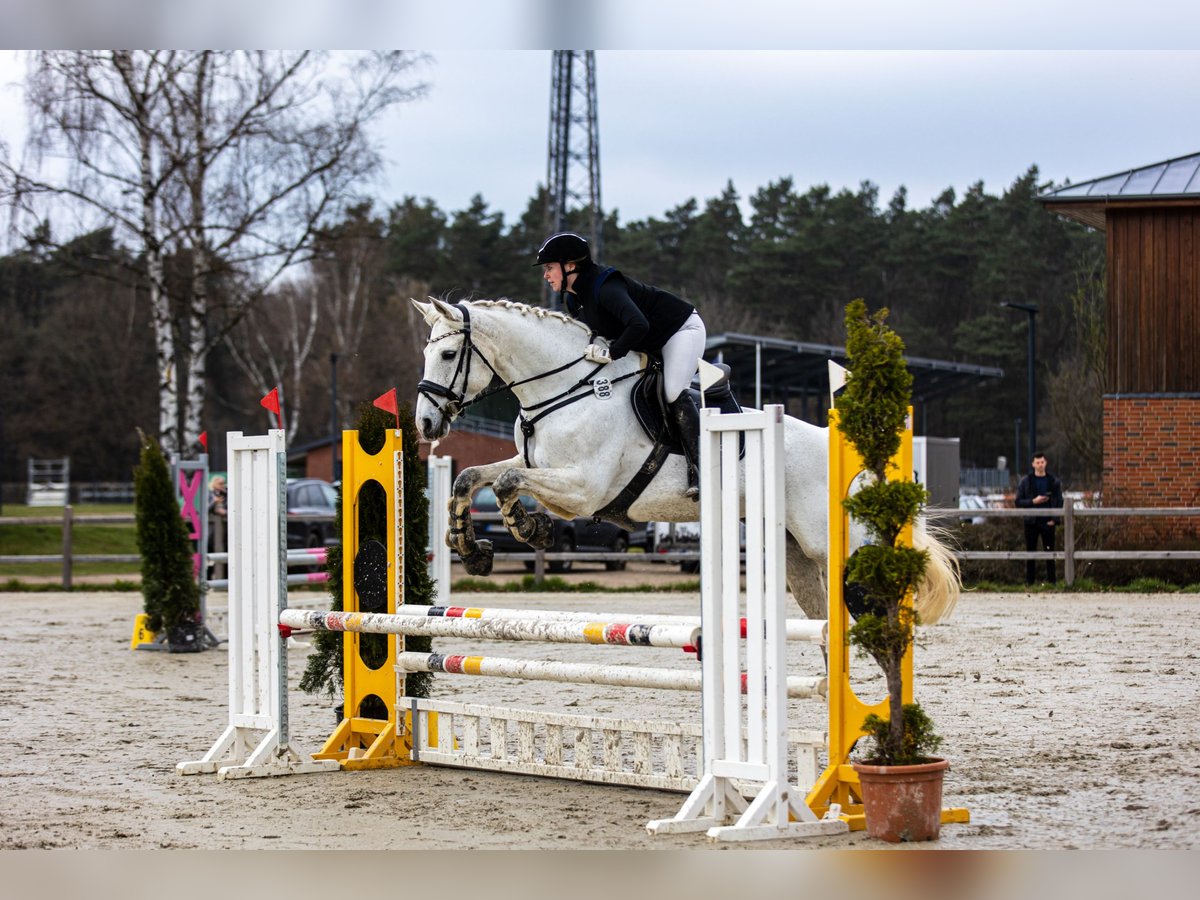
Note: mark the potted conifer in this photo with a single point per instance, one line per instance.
(170, 593)
(900, 778)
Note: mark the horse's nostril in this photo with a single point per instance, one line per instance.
(426, 425)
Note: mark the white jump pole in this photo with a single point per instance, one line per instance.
(798, 687)
(746, 743)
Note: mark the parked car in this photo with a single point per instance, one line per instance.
(683, 536)
(671, 536)
(575, 534)
(311, 506)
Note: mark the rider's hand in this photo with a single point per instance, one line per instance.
(597, 353)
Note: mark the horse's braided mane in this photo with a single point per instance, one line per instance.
(539, 311)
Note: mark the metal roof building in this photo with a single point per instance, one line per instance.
(772, 370)
(1162, 185)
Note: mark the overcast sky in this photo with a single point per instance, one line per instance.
(1083, 91)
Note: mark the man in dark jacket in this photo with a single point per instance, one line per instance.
(1039, 490)
(633, 316)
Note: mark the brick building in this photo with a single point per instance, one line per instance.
(1151, 218)
(466, 448)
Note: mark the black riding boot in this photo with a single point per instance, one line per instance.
(686, 419)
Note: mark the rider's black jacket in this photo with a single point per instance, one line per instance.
(632, 315)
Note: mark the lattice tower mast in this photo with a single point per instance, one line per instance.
(573, 161)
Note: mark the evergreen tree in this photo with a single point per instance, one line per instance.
(169, 589)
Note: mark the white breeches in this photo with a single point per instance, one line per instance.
(680, 355)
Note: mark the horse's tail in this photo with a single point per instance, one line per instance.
(938, 592)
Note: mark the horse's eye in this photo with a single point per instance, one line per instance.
(449, 354)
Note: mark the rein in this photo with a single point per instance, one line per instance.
(457, 402)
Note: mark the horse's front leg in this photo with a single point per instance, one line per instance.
(562, 490)
(476, 555)
(532, 528)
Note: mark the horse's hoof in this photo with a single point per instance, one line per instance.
(543, 531)
(479, 562)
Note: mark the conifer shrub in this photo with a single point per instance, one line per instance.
(170, 593)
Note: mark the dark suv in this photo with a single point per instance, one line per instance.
(576, 534)
(311, 505)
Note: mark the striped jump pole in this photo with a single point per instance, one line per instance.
(299, 578)
(797, 629)
(798, 687)
(628, 634)
(297, 556)
(300, 556)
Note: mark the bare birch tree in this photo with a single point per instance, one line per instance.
(273, 343)
(227, 161)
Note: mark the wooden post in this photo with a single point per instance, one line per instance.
(68, 520)
(1069, 541)
(217, 523)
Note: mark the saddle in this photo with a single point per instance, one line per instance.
(652, 413)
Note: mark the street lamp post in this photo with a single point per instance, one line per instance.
(1032, 311)
(1017, 446)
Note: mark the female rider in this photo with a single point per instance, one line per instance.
(633, 316)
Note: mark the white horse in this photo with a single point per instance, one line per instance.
(577, 456)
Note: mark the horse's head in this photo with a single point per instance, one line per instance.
(454, 372)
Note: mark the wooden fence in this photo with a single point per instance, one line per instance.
(1069, 555)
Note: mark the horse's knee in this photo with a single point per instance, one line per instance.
(466, 482)
(507, 486)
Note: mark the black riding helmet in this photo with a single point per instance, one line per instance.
(563, 247)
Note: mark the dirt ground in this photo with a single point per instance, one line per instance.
(1069, 720)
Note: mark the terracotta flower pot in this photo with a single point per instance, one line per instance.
(903, 803)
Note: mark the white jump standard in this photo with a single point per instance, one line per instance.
(256, 741)
(744, 743)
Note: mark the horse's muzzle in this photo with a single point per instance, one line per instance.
(433, 428)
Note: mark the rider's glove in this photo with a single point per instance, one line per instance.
(597, 354)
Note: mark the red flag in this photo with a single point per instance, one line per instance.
(387, 402)
(204, 440)
(271, 402)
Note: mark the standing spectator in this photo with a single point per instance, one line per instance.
(1039, 490)
(217, 512)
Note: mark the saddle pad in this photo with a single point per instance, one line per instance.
(652, 415)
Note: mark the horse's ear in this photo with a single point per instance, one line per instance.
(425, 309)
(445, 309)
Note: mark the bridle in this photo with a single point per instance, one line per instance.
(456, 402)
